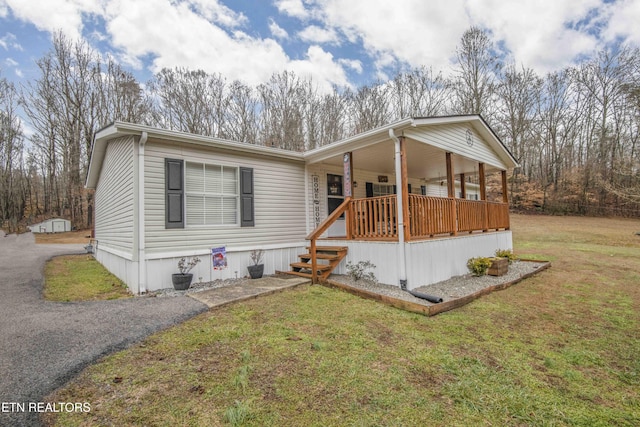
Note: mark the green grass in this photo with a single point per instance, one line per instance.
(558, 349)
(81, 278)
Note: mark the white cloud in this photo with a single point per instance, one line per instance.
(320, 65)
(277, 31)
(54, 15)
(624, 16)
(409, 31)
(541, 34)
(174, 36)
(315, 34)
(378, 35)
(219, 13)
(294, 8)
(9, 41)
(353, 64)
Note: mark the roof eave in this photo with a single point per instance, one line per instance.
(119, 129)
(355, 142)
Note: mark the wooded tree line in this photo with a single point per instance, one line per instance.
(574, 132)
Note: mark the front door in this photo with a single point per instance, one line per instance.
(335, 197)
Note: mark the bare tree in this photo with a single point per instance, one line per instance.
(190, 101)
(333, 120)
(74, 96)
(118, 95)
(476, 73)
(369, 107)
(418, 93)
(242, 114)
(12, 180)
(56, 105)
(602, 81)
(283, 100)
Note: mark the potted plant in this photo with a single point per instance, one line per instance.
(182, 281)
(257, 269)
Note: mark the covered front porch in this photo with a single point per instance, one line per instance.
(408, 183)
(376, 218)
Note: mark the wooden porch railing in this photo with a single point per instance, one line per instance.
(471, 215)
(498, 215)
(375, 218)
(431, 215)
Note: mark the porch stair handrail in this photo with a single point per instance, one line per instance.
(320, 229)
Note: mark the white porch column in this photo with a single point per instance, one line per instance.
(402, 257)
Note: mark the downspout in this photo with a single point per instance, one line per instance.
(142, 263)
(401, 244)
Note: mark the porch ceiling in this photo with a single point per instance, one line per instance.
(423, 161)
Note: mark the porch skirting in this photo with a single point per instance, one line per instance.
(159, 267)
(427, 261)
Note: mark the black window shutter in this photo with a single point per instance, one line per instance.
(423, 190)
(369, 186)
(174, 186)
(246, 198)
(409, 188)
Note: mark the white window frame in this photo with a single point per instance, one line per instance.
(212, 195)
(382, 190)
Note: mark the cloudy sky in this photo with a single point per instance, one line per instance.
(342, 42)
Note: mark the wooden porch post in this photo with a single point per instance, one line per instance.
(483, 195)
(463, 188)
(451, 191)
(451, 188)
(404, 190)
(505, 195)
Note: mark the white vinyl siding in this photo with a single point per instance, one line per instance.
(453, 138)
(211, 194)
(279, 199)
(114, 197)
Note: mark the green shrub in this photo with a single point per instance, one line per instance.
(506, 253)
(479, 265)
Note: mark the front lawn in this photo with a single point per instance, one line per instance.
(80, 278)
(560, 348)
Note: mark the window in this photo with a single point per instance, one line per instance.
(211, 193)
(383, 190)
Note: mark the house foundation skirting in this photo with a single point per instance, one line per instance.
(428, 261)
(160, 268)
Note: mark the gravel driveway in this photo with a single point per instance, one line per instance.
(44, 344)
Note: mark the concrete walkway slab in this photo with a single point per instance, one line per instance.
(251, 289)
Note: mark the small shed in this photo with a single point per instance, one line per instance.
(52, 225)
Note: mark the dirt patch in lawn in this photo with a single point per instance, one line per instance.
(80, 236)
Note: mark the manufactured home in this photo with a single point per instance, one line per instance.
(410, 197)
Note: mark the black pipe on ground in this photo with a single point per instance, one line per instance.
(430, 298)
